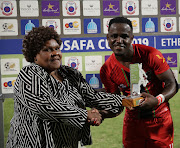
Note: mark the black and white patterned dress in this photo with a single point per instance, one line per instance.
(52, 114)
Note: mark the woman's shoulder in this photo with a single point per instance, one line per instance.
(31, 66)
(34, 69)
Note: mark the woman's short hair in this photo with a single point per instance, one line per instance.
(35, 40)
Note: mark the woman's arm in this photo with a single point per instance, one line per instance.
(100, 100)
(32, 90)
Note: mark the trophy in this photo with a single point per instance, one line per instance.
(138, 78)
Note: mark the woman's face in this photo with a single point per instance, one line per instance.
(49, 56)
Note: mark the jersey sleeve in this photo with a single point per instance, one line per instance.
(109, 85)
(158, 62)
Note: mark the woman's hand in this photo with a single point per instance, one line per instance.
(94, 117)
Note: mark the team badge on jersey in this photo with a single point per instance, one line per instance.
(71, 8)
(7, 8)
(130, 7)
(161, 58)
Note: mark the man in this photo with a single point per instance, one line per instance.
(150, 125)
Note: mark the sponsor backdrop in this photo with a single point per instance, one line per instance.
(83, 25)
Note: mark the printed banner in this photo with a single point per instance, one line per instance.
(94, 44)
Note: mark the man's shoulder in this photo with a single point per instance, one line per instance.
(144, 48)
(109, 65)
(144, 51)
(110, 60)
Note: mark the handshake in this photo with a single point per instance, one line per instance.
(94, 117)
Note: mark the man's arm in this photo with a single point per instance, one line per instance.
(171, 86)
(170, 89)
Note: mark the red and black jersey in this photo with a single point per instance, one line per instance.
(116, 77)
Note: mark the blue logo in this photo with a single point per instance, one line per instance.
(149, 25)
(94, 80)
(71, 9)
(73, 62)
(92, 26)
(28, 24)
(28, 27)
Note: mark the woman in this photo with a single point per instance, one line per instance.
(50, 99)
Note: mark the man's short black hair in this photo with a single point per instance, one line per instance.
(120, 20)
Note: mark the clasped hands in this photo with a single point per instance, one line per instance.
(94, 118)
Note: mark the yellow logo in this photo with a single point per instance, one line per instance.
(75, 24)
(134, 23)
(161, 58)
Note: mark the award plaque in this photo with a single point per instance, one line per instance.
(137, 78)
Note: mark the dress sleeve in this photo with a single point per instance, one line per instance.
(32, 91)
(99, 100)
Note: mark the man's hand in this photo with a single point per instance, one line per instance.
(148, 102)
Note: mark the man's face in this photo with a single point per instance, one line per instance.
(120, 38)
